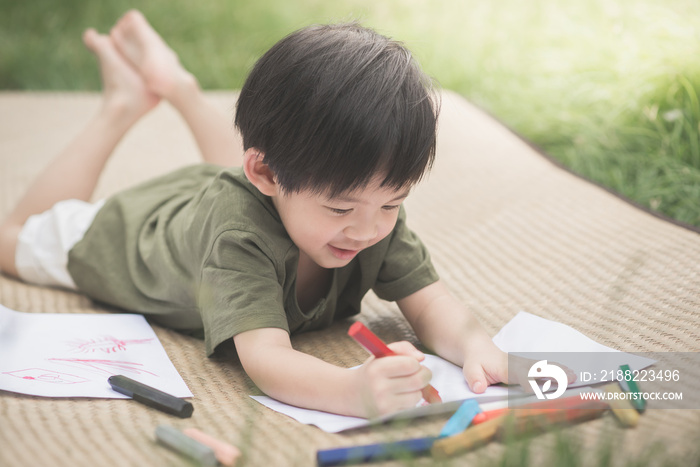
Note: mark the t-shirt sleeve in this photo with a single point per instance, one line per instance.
(407, 267)
(240, 289)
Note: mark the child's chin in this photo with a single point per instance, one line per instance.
(334, 263)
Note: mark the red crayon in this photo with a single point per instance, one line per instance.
(481, 417)
(542, 407)
(522, 422)
(376, 347)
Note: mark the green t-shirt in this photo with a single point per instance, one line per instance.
(202, 248)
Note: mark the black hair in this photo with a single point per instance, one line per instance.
(332, 106)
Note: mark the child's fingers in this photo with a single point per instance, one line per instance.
(396, 366)
(391, 403)
(406, 348)
(411, 382)
(479, 373)
(476, 378)
(396, 383)
(519, 373)
(398, 374)
(570, 374)
(518, 370)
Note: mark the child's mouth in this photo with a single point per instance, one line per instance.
(343, 254)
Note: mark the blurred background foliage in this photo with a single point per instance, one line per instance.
(607, 87)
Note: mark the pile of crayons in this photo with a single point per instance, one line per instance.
(202, 448)
(470, 428)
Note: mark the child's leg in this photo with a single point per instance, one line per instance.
(218, 140)
(76, 170)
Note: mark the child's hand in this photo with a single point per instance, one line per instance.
(520, 372)
(392, 383)
(485, 366)
(490, 366)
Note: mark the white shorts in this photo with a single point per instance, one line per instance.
(45, 239)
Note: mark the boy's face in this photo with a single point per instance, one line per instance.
(332, 231)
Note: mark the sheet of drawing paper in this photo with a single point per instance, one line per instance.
(447, 379)
(72, 355)
(538, 339)
(524, 333)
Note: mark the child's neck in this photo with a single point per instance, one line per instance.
(313, 282)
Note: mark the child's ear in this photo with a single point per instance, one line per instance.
(258, 172)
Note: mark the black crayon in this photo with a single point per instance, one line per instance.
(151, 396)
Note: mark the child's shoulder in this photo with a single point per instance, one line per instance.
(231, 191)
(231, 204)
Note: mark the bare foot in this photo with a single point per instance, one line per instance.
(149, 54)
(124, 90)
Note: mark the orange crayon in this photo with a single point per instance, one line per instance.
(224, 452)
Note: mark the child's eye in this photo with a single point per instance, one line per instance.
(340, 212)
(391, 208)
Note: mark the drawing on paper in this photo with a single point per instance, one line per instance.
(110, 367)
(105, 344)
(75, 354)
(46, 376)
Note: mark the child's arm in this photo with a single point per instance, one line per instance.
(378, 387)
(446, 326)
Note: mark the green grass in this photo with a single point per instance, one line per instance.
(608, 87)
(564, 449)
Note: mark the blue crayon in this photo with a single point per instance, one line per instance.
(374, 452)
(461, 419)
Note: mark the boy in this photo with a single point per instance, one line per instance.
(338, 123)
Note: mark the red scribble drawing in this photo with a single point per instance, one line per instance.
(105, 344)
(46, 376)
(110, 367)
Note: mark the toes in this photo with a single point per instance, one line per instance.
(127, 18)
(99, 44)
(90, 39)
(134, 16)
(116, 35)
(132, 21)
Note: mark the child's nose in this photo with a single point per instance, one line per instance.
(362, 231)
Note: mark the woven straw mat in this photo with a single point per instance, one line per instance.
(508, 230)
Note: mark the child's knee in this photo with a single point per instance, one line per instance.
(9, 233)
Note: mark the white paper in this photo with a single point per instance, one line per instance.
(527, 333)
(524, 333)
(72, 355)
(447, 379)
